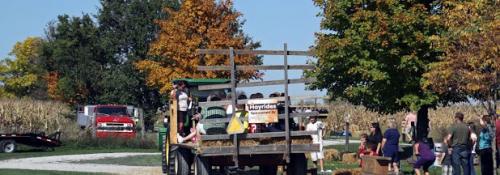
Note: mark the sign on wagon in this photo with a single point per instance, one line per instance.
(262, 110)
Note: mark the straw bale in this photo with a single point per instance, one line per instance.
(356, 171)
(349, 158)
(331, 154)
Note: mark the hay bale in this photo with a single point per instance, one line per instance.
(331, 154)
(350, 158)
(356, 171)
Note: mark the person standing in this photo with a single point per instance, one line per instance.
(446, 161)
(473, 138)
(497, 139)
(390, 145)
(410, 118)
(182, 96)
(315, 125)
(458, 138)
(485, 150)
(376, 137)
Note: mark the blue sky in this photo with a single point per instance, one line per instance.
(272, 22)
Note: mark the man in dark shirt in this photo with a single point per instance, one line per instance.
(459, 138)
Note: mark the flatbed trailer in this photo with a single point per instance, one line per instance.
(229, 152)
(9, 141)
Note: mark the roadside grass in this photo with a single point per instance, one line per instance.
(25, 152)
(43, 172)
(144, 160)
(85, 144)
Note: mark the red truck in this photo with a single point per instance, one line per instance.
(108, 120)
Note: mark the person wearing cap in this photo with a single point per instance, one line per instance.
(315, 125)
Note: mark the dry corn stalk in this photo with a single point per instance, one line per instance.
(27, 115)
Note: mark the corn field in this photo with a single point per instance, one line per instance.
(26, 115)
(360, 118)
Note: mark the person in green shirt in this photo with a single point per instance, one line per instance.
(458, 139)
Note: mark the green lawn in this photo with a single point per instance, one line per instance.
(24, 151)
(42, 172)
(406, 168)
(145, 160)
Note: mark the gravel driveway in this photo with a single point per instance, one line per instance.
(64, 163)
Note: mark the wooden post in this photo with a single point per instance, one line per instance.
(287, 105)
(347, 136)
(141, 119)
(346, 130)
(233, 102)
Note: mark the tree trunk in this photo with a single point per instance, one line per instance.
(422, 122)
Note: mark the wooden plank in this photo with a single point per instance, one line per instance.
(280, 116)
(253, 84)
(173, 121)
(255, 67)
(259, 149)
(257, 135)
(234, 102)
(253, 52)
(226, 102)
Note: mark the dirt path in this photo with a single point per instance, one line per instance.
(64, 163)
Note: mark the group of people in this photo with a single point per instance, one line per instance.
(189, 128)
(461, 143)
(467, 140)
(378, 144)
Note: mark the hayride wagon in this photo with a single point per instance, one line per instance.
(227, 152)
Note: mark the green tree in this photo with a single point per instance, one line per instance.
(22, 76)
(73, 59)
(471, 42)
(373, 53)
(126, 29)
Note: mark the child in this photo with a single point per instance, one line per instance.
(365, 149)
(446, 160)
(194, 134)
(318, 126)
(426, 159)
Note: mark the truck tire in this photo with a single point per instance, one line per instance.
(165, 157)
(268, 170)
(8, 146)
(201, 166)
(297, 165)
(181, 162)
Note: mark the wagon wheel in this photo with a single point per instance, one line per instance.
(175, 160)
(167, 159)
(8, 146)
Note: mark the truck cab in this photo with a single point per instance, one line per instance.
(113, 121)
(109, 120)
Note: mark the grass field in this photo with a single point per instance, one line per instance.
(42, 172)
(146, 160)
(24, 151)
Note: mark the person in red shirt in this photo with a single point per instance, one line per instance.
(366, 148)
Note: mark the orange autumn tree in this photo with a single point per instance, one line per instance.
(199, 24)
(470, 66)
